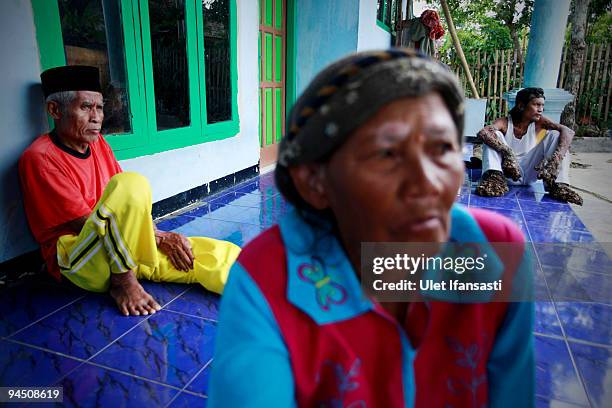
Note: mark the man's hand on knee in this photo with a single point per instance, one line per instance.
(177, 248)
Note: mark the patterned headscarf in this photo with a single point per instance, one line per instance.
(348, 92)
(343, 97)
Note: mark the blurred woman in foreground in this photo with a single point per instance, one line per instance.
(372, 154)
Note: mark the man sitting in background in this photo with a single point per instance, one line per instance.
(92, 221)
(527, 146)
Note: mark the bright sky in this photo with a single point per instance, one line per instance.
(419, 6)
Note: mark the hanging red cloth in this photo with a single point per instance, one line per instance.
(431, 20)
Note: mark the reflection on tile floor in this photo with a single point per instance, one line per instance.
(58, 336)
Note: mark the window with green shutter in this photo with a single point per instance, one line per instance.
(386, 12)
(168, 67)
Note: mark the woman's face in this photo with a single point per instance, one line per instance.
(397, 176)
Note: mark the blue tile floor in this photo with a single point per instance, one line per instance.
(52, 335)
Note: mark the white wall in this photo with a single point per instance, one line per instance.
(21, 110)
(179, 170)
(370, 35)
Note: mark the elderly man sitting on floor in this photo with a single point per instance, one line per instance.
(92, 221)
(527, 146)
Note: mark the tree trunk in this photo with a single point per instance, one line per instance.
(577, 50)
(517, 44)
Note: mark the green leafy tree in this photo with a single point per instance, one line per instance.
(516, 15)
(600, 31)
(490, 24)
(590, 21)
(577, 50)
(598, 21)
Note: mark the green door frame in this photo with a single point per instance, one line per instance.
(268, 149)
(291, 54)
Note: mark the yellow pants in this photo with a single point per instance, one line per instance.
(118, 236)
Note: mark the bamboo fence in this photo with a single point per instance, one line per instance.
(496, 72)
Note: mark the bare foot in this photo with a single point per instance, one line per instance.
(130, 296)
(562, 192)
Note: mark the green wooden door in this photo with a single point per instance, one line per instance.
(272, 77)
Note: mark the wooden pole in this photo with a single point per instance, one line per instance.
(595, 85)
(588, 109)
(478, 81)
(489, 74)
(515, 59)
(495, 67)
(604, 70)
(582, 87)
(608, 96)
(524, 49)
(561, 80)
(507, 86)
(457, 44)
(502, 70)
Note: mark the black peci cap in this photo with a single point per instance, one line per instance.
(71, 78)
